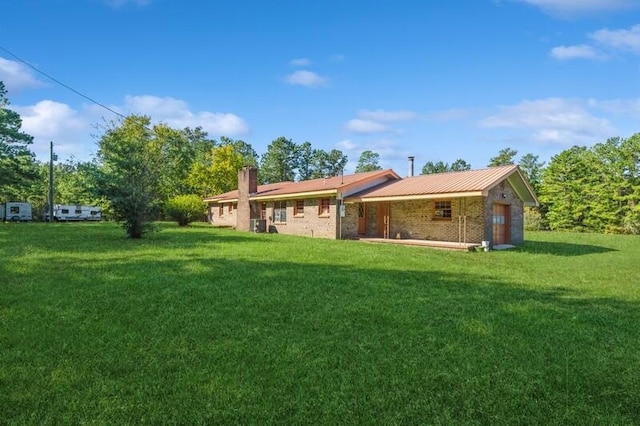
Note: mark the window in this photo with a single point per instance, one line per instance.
(280, 211)
(65, 211)
(14, 210)
(230, 208)
(323, 207)
(220, 210)
(298, 208)
(78, 211)
(442, 209)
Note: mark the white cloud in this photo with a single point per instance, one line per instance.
(359, 125)
(570, 8)
(16, 75)
(552, 120)
(609, 41)
(176, 113)
(581, 51)
(306, 78)
(373, 121)
(622, 39)
(300, 62)
(72, 131)
(50, 121)
(346, 145)
(387, 116)
(619, 107)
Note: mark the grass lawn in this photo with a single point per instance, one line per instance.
(202, 325)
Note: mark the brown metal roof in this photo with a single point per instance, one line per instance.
(439, 185)
(330, 185)
(472, 182)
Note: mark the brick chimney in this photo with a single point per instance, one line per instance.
(247, 185)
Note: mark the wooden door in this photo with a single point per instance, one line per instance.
(501, 224)
(362, 218)
(384, 220)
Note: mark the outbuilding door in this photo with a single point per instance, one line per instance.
(501, 224)
(384, 220)
(362, 219)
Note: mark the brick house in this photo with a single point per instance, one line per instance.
(463, 207)
(309, 208)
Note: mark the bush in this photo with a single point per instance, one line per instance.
(185, 209)
(534, 220)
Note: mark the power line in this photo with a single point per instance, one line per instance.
(61, 83)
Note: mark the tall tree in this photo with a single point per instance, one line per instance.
(630, 156)
(199, 140)
(178, 153)
(218, 173)
(441, 167)
(249, 155)
(75, 183)
(130, 156)
(567, 189)
(328, 164)
(431, 168)
(532, 168)
(459, 166)
(619, 178)
(306, 158)
(18, 168)
(505, 157)
(368, 161)
(280, 161)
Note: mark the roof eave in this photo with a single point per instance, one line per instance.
(295, 195)
(414, 197)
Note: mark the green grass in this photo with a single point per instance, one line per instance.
(201, 325)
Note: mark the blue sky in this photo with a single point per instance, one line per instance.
(433, 79)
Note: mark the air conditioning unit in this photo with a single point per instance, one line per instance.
(258, 225)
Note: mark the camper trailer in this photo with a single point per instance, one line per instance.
(15, 212)
(67, 213)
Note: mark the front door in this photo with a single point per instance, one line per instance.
(384, 220)
(501, 224)
(362, 219)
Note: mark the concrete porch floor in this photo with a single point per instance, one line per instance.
(445, 245)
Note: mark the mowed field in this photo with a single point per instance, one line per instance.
(200, 325)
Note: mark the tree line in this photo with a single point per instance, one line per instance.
(154, 170)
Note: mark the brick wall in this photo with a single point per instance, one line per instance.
(416, 220)
(226, 219)
(503, 193)
(308, 224)
(350, 221)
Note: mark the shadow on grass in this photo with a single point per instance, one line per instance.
(562, 249)
(218, 340)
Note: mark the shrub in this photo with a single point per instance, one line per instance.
(185, 209)
(534, 220)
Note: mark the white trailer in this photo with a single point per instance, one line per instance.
(16, 212)
(62, 212)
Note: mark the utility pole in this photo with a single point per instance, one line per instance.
(51, 183)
